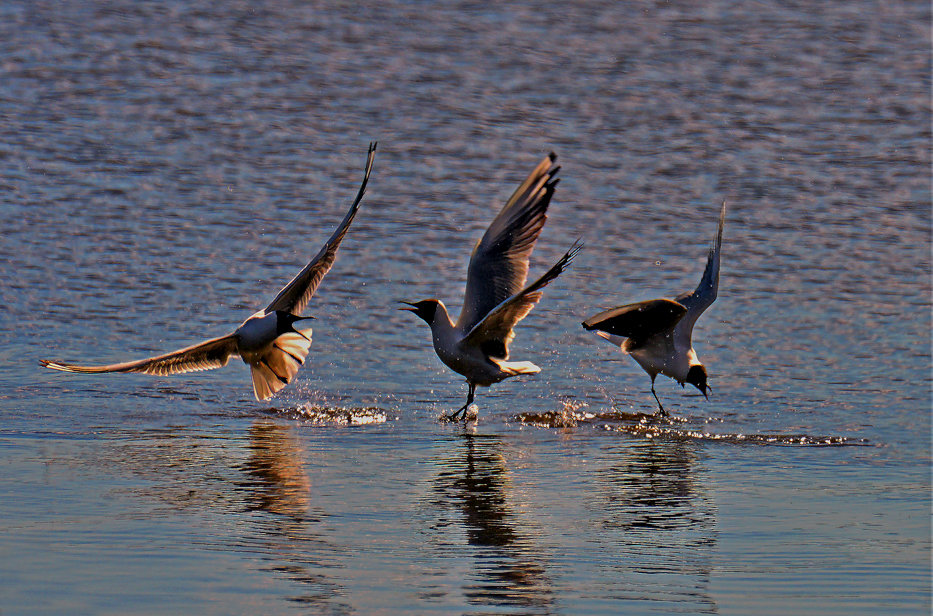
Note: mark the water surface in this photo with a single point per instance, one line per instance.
(166, 167)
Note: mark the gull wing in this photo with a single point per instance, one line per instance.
(296, 294)
(206, 355)
(705, 294)
(499, 263)
(494, 333)
(639, 320)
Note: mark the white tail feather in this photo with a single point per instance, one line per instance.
(279, 364)
(514, 368)
(265, 383)
(612, 338)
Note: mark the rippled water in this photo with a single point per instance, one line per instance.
(166, 167)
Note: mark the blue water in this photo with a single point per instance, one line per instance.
(166, 167)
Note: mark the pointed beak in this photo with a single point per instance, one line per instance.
(413, 308)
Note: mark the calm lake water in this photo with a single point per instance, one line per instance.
(166, 167)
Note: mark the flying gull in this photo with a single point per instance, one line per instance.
(658, 333)
(496, 298)
(270, 341)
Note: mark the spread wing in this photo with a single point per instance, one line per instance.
(499, 264)
(494, 333)
(639, 320)
(296, 294)
(206, 355)
(706, 292)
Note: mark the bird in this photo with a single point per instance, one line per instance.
(658, 333)
(496, 298)
(271, 341)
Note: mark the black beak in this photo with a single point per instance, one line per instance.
(413, 308)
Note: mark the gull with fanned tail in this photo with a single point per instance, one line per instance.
(658, 333)
(270, 341)
(477, 345)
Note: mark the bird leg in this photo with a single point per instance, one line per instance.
(660, 408)
(463, 409)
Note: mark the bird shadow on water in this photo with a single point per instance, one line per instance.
(276, 486)
(509, 569)
(655, 517)
(693, 428)
(644, 514)
(248, 495)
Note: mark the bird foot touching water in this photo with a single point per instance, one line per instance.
(467, 412)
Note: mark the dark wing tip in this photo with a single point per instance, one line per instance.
(576, 248)
(54, 365)
(568, 257)
(571, 254)
(63, 367)
(722, 223)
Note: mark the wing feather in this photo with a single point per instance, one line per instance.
(706, 292)
(494, 333)
(639, 320)
(297, 293)
(206, 355)
(499, 263)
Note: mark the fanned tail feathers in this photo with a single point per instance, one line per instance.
(514, 368)
(280, 363)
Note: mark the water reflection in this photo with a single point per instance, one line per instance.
(277, 485)
(278, 482)
(508, 571)
(650, 486)
(655, 511)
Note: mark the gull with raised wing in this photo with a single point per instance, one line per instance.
(269, 341)
(477, 345)
(658, 333)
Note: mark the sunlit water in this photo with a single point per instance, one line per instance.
(166, 167)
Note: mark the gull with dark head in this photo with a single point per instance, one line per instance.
(496, 298)
(658, 333)
(271, 342)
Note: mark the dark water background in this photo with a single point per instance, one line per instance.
(166, 167)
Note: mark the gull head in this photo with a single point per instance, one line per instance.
(426, 309)
(285, 322)
(696, 376)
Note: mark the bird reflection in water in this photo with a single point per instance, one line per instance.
(278, 487)
(509, 572)
(279, 483)
(659, 520)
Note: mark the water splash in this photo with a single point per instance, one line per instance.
(572, 415)
(317, 415)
